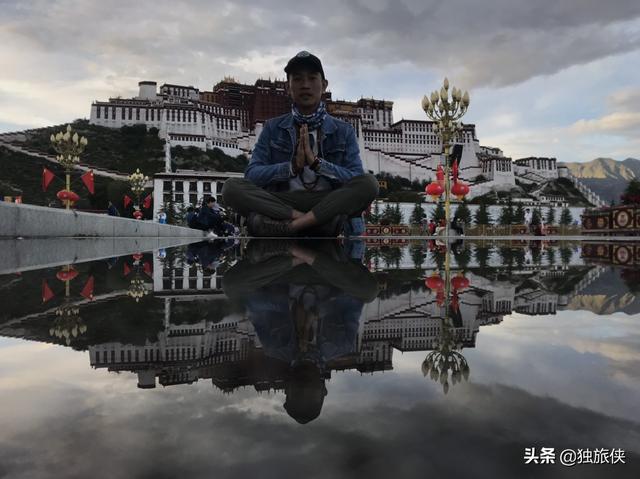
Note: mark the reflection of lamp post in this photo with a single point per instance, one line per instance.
(445, 358)
(138, 287)
(69, 146)
(137, 181)
(446, 112)
(68, 323)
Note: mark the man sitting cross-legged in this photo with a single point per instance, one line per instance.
(305, 177)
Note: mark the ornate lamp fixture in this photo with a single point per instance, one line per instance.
(445, 111)
(137, 181)
(69, 146)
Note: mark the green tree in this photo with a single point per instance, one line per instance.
(536, 216)
(463, 213)
(551, 215)
(170, 209)
(518, 216)
(631, 193)
(482, 216)
(418, 214)
(506, 214)
(438, 213)
(565, 217)
(398, 214)
(391, 214)
(373, 215)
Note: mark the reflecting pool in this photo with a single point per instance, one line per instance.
(325, 359)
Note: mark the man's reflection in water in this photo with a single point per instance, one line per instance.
(305, 300)
(209, 254)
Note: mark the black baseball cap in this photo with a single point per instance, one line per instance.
(304, 59)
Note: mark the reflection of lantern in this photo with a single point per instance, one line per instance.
(434, 282)
(66, 275)
(440, 297)
(459, 282)
(137, 214)
(434, 190)
(66, 195)
(137, 256)
(459, 189)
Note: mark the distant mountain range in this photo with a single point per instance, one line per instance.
(606, 176)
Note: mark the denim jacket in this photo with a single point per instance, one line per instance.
(270, 162)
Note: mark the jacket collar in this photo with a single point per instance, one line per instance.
(328, 125)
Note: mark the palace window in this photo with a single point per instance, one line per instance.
(122, 113)
(97, 112)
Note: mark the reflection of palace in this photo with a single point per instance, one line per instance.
(228, 350)
(245, 318)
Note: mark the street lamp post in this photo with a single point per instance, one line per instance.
(69, 146)
(446, 110)
(137, 181)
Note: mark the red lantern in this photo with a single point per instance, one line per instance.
(137, 256)
(66, 195)
(66, 275)
(434, 282)
(459, 283)
(460, 189)
(137, 214)
(434, 190)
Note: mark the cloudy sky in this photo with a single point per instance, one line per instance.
(553, 77)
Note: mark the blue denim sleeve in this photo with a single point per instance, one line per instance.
(353, 166)
(261, 171)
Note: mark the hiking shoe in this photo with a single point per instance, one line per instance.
(263, 226)
(330, 229)
(259, 250)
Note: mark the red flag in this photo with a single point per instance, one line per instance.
(87, 179)
(47, 294)
(147, 269)
(87, 291)
(127, 200)
(455, 170)
(147, 202)
(47, 177)
(127, 270)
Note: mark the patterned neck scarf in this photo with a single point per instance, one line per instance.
(313, 121)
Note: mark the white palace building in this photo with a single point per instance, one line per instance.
(232, 115)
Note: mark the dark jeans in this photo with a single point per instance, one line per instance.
(350, 199)
(267, 262)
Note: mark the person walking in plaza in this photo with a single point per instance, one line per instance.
(305, 177)
(112, 210)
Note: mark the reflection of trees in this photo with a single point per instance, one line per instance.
(482, 255)
(565, 255)
(445, 363)
(391, 256)
(506, 255)
(438, 257)
(462, 256)
(418, 256)
(551, 256)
